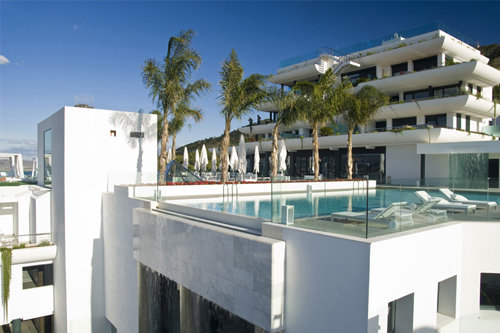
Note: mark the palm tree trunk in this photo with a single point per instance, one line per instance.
(349, 153)
(223, 154)
(274, 152)
(173, 146)
(315, 150)
(163, 150)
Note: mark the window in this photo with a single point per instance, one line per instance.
(47, 158)
(399, 69)
(400, 316)
(447, 297)
(394, 99)
(425, 63)
(38, 276)
(362, 75)
(445, 91)
(381, 126)
(436, 120)
(459, 121)
(417, 94)
(112, 133)
(490, 291)
(471, 87)
(479, 90)
(400, 122)
(467, 123)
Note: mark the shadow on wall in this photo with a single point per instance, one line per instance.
(141, 127)
(373, 326)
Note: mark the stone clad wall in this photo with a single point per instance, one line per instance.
(240, 272)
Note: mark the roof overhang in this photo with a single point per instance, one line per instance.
(459, 148)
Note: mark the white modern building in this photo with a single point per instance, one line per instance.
(440, 91)
(129, 255)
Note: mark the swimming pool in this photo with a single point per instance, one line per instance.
(318, 203)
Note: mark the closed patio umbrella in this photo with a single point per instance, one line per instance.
(233, 160)
(282, 156)
(242, 156)
(185, 158)
(214, 160)
(169, 155)
(256, 160)
(204, 158)
(197, 160)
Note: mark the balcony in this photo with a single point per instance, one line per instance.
(474, 72)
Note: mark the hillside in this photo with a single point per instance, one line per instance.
(234, 139)
(493, 52)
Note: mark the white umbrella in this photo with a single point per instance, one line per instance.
(214, 160)
(256, 160)
(233, 160)
(282, 156)
(242, 158)
(204, 158)
(169, 155)
(34, 170)
(197, 160)
(185, 158)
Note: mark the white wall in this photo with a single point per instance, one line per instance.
(437, 166)
(83, 152)
(412, 263)
(402, 162)
(120, 280)
(326, 280)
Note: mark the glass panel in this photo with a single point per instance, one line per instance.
(37, 276)
(47, 156)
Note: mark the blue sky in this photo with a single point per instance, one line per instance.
(95, 50)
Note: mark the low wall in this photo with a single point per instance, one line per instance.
(193, 191)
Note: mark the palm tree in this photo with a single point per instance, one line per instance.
(358, 110)
(237, 97)
(169, 83)
(287, 115)
(319, 103)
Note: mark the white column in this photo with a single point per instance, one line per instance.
(410, 66)
(380, 73)
(389, 123)
(441, 61)
(420, 119)
(401, 96)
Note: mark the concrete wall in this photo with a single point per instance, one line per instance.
(437, 167)
(120, 279)
(240, 272)
(412, 263)
(84, 151)
(326, 280)
(402, 162)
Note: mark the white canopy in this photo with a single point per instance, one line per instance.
(197, 160)
(256, 160)
(282, 156)
(169, 155)
(185, 158)
(34, 170)
(233, 160)
(204, 158)
(242, 158)
(214, 160)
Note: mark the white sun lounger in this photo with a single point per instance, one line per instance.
(394, 215)
(461, 199)
(426, 210)
(445, 204)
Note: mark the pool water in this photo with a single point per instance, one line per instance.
(321, 203)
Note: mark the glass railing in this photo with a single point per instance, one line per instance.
(26, 240)
(368, 210)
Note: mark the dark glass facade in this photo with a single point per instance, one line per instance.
(167, 307)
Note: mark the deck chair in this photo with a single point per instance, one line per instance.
(445, 204)
(392, 215)
(461, 199)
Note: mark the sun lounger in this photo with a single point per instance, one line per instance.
(425, 210)
(461, 199)
(445, 204)
(392, 215)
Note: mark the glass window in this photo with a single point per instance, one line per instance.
(459, 121)
(399, 122)
(490, 291)
(399, 69)
(37, 276)
(381, 125)
(436, 120)
(47, 157)
(425, 63)
(362, 75)
(467, 123)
